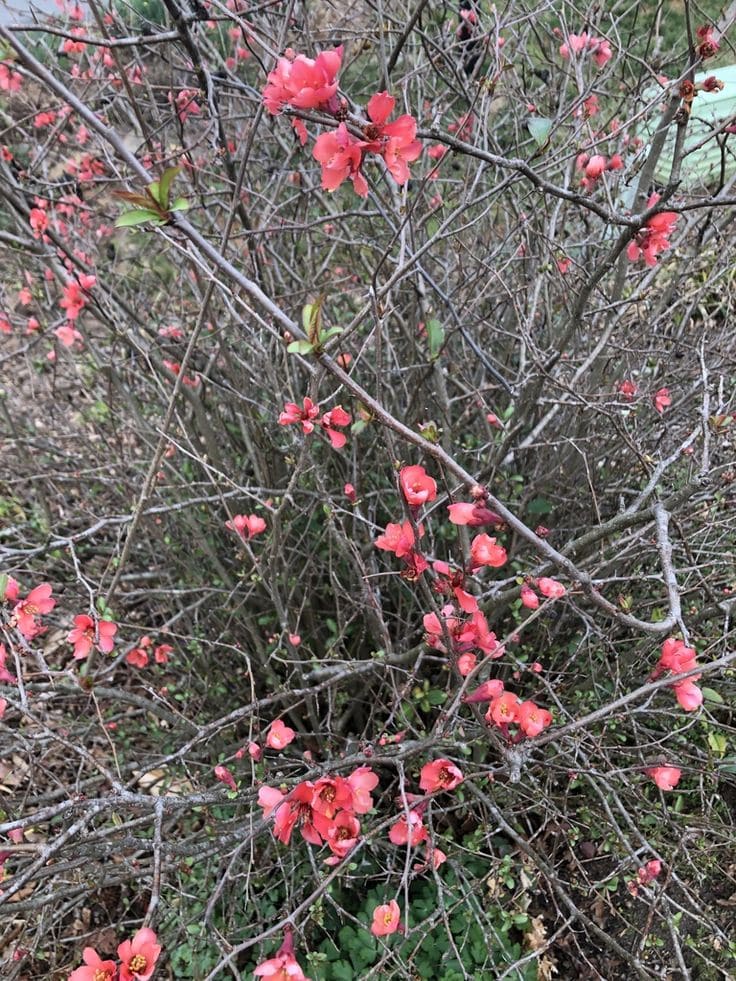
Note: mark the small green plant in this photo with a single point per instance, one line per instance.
(154, 204)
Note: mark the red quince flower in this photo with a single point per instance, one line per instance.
(139, 956)
(486, 692)
(396, 141)
(441, 774)
(336, 417)
(665, 777)
(474, 514)
(362, 781)
(689, 696)
(452, 582)
(341, 156)
(246, 525)
(342, 836)
(83, 636)
(161, 653)
(662, 399)
(529, 598)
(386, 919)
(408, 830)
(95, 968)
(653, 238)
(302, 82)
(532, 719)
(503, 710)
(37, 603)
(225, 776)
(304, 416)
(279, 736)
(485, 551)
(550, 588)
(628, 389)
(399, 539)
(417, 486)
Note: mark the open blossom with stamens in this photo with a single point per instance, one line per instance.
(138, 956)
(305, 415)
(38, 602)
(440, 774)
(417, 486)
(386, 919)
(83, 636)
(396, 142)
(95, 969)
(399, 539)
(532, 719)
(284, 965)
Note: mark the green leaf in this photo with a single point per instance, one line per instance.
(153, 190)
(300, 347)
(312, 320)
(435, 338)
(436, 697)
(540, 128)
(332, 332)
(712, 696)
(539, 506)
(181, 204)
(718, 743)
(136, 217)
(165, 183)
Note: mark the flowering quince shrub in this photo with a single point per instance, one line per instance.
(367, 503)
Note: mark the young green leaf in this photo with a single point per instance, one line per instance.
(300, 347)
(435, 338)
(137, 217)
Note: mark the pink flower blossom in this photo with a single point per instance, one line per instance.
(484, 550)
(653, 237)
(336, 417)
(417, 486)
(532, 719)
(441, 774)
(474, 514)
(386, 919)
(341, 156)
(139, 956)
(37, 603)
(396, 141)
(279, 736)
(665, 777)
(95, 969)
(6, 677)
(225, 776)
(486, 692)
(409, 829)
(303, 83)
(689, 696)
(305, 415)
(85, 635)
(398, 539)
(550, 588)
(247, 526)
(662, 399)
(529, 598)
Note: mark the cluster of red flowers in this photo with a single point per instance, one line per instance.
(506, 710)
(549, 588)
(594, 167)
(307, 417)
(246, 526)
(325, 810)
(644, 876)
(466, 637)
(139, 656)
(578, 44)
(677, 658)
(653, 238)
(137, 960)
(306, 83)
